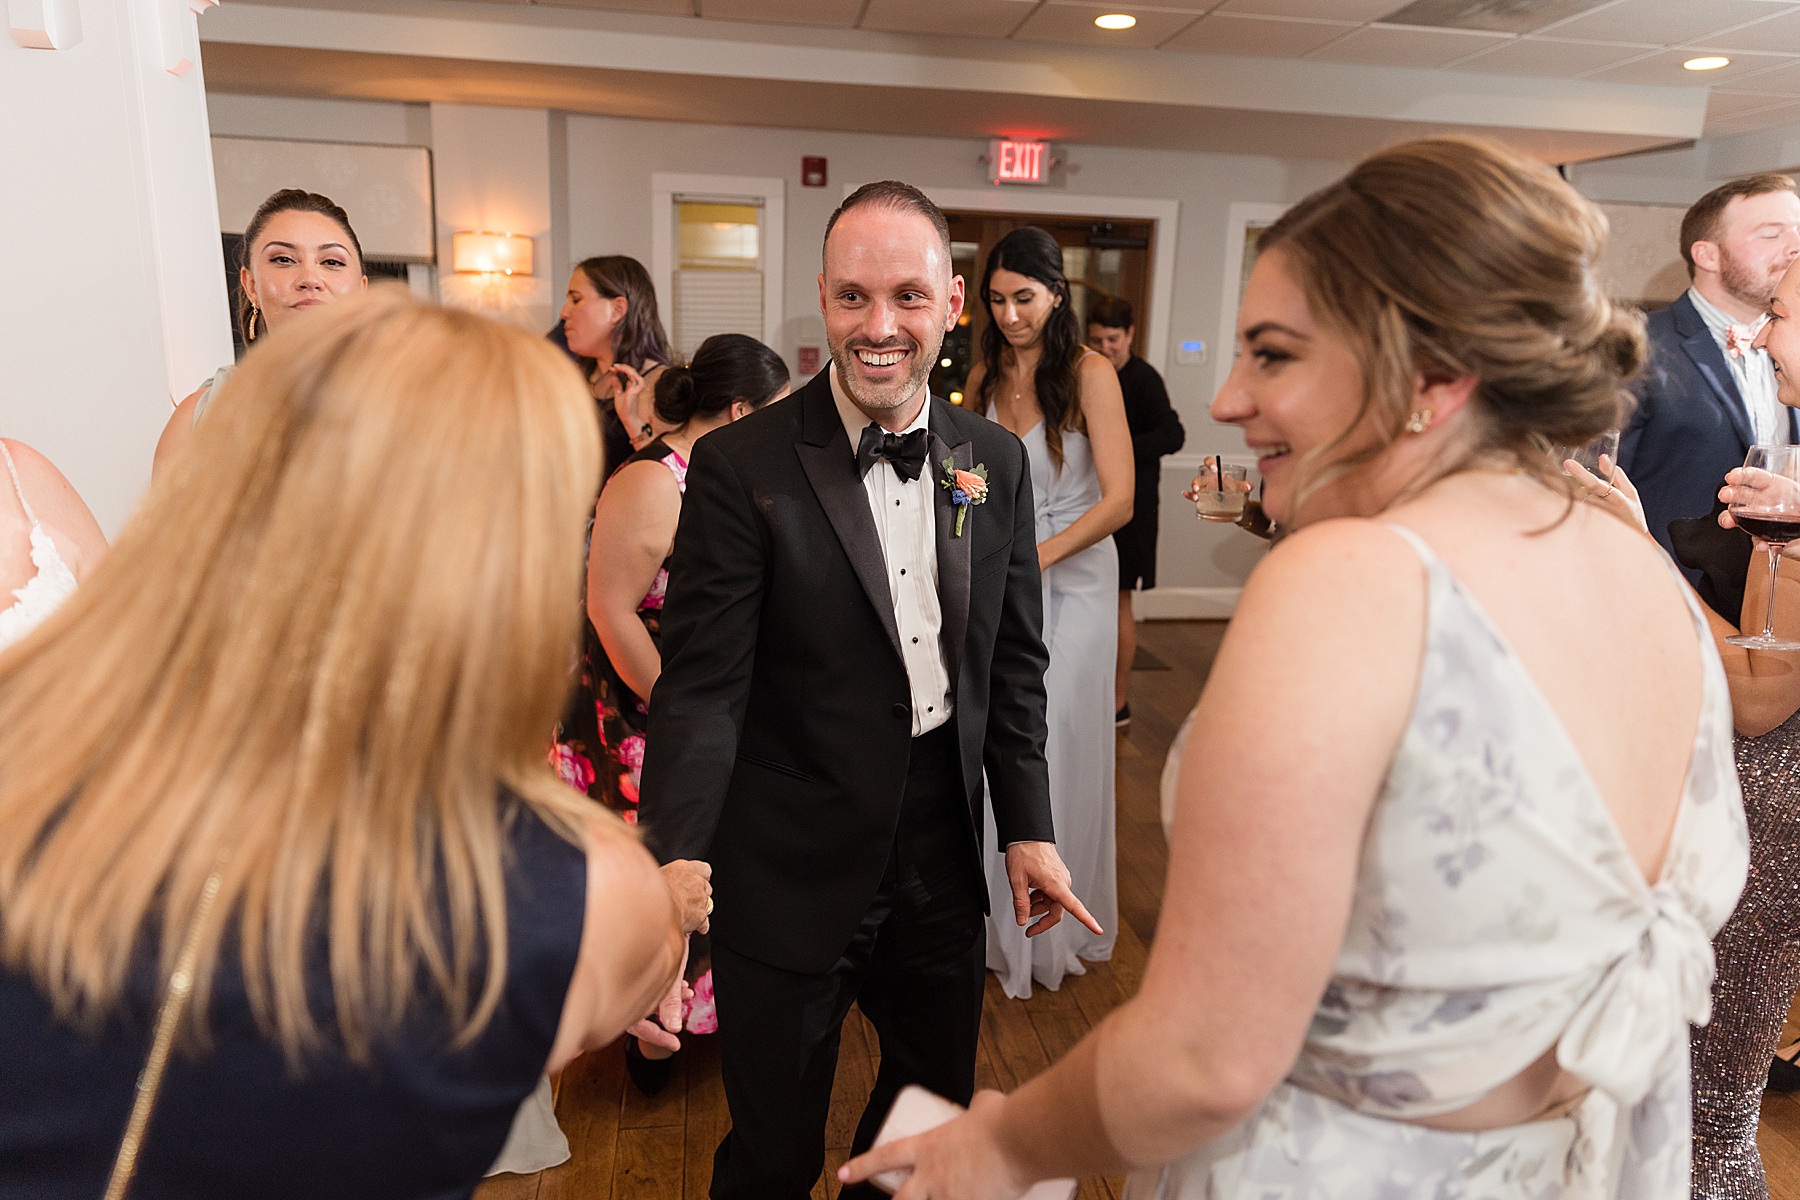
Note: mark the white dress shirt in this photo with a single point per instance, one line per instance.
(906, 522)
(1754, 373)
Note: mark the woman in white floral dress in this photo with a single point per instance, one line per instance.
(1457, 816)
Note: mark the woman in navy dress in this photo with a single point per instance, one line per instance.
(286, 746)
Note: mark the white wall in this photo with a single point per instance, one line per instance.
(598, 172)
(379, 121)
(491, 169)
(115, 296)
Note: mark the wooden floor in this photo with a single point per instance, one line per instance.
(631, 1148)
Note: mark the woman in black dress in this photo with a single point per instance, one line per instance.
(610, 323)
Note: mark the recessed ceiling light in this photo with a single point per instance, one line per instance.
(1115, 20)
(1711, 62)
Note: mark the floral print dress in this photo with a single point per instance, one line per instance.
(599, 747)
(1498, 913)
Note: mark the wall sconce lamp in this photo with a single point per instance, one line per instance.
(481, 253)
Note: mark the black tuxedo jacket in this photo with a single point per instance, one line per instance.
(781, 725)
(1690, 426)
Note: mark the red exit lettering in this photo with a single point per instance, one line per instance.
(1011, 161)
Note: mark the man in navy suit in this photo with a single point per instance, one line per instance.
(1704, 398)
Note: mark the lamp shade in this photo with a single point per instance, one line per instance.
(490, 253)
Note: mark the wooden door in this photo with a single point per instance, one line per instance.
(1102, 256)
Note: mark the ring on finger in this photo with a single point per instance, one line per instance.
(709, 906)
(1606, 493)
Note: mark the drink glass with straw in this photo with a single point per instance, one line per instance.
(1765, 503)
(1224, 499)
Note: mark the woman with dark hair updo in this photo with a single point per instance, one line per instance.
(610, 323)
(601, 746)
(1038, 378)
(299, 252)
(1456, 818)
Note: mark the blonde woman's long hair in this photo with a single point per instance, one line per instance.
(331, 638)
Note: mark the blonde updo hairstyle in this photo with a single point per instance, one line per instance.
(1453, 257)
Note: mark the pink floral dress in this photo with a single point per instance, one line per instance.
(599, 747)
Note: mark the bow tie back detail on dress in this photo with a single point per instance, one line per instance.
(904, 451)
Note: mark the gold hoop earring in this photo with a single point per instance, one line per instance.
(1419, 422)
(250, 324)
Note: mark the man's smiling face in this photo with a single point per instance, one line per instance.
(888, 298)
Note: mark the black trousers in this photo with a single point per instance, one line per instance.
(915, 968)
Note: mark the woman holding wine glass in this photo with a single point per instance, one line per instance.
(1758, 950)
(1438, 916)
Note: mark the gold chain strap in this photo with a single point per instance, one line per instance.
(168, 1019)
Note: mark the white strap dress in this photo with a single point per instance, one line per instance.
(1498, 913)
(49, 586)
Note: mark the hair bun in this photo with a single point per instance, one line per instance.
(677, 395)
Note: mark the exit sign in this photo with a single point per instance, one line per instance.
(1011, 161)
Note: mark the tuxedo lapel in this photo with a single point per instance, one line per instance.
(830, 467)
(953, 553)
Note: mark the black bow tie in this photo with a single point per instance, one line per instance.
(905, 451)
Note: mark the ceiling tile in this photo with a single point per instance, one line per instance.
(1778, 33)
(1224, 33)
(1402, 46)
(1665, 67)
(1192, 8)
(1665, 22)
(1785, 114)
(1549, 57)
(1723, 105)
(679, 8)
(834, 14)
(1334, 10)
(1073, 24)
(1780, 81)
(1499, 16)
(962, 18)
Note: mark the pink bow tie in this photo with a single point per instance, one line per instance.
(1739, 337)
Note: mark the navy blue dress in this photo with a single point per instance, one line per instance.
(422, 1121)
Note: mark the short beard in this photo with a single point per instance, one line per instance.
(888, 398)
(1741, 283)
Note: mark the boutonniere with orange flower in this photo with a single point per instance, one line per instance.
(967, 488)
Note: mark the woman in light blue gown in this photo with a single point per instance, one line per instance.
(1063, 400)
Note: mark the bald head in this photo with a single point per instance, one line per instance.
(893, 196)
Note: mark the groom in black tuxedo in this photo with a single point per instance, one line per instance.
(847, 644)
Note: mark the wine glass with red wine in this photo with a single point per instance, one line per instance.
(1766, 505)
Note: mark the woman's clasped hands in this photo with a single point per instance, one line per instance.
(690, 884)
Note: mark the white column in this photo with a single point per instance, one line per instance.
(115, 290)
(493, 169)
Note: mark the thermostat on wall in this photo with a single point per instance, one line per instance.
(1191, 354)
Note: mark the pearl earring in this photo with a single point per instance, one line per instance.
(1419, 422)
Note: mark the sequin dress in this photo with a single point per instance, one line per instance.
(1758, 955)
